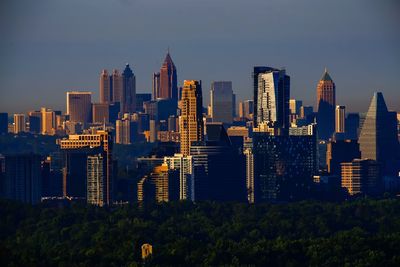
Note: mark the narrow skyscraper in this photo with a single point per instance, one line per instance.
(221, 98)
(326, 102)
(105, 93)
(128, 100)
(340, 119)
(168, 79)
(191, 119)
(116, 86)
(156, 85)
(19, 123)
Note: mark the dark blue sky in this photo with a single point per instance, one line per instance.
(48, 47)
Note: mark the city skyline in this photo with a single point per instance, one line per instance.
(321, 42)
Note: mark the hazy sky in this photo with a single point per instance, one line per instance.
(48, 47)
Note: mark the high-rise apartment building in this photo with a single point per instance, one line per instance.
(105, 92)
(128, 101)
(248, 152)
(257, 70)
(19, 123)
(273, 95)
(340, 119)
(98, 138)
(96, 179)
(326, 102)
(156, 85)
(361, 176)
(3, 123)
(23, 178)
(168, 80)
(184, 164)
(221, 99)
(79, 107)
(191, 126)
(125, 131)
(48, 121)
(378, 137)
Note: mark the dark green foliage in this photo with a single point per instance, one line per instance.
(359, 233)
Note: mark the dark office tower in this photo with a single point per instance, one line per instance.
(272, 104)
(140, 99)
(3, 123)
(23, 178)
(156, 85)
(221, 100)
(168, 80)
(128, 100)
(75, 171)
(284, 166)
(352, 126)
(219, 170)
(326, 102)
(378, 137)
(339, 151)
(105, 90)
(35, 121)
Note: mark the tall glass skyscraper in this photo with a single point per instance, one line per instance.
(221, 99)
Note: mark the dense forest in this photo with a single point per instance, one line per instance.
(356, 233)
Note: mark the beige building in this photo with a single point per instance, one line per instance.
(116, 80)
(105, 96)
(191, 125)
(48, 121)
(340, 117)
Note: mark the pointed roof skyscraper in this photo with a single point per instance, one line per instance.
(378, 137)
(168, 79)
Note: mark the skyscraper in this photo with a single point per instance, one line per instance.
(128, 99)
(326, 102)
(221, 98)
(105, 92)
(125, 131)
(352, 125)
(191, 119)
(19, 123)
(100, 112)
(273, 95)
(294, 106)
(116, 86)
(340, 119)
(378, 137)
(184, 164)
(156, 85)
(35, 121)
(3, 123)
(168, 79)
(79, 107)
(339, 151)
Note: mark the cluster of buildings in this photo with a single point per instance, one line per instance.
(273, 149)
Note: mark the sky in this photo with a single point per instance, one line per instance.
(48, 47)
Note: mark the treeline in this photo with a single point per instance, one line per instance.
(357, 233)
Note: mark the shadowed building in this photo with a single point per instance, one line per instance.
(105, 91)
(3, 123)
(128, 98)
(221, 98)
(339, 151)
(326, 102)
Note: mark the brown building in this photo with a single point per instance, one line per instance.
(105, 92)
(100, 113)
(191, 125)
(168, 79)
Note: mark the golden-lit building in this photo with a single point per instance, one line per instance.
(79, 107)
(19, 123)
(48, 121)
(340, 119)
(361, 176)
(105, 96)
(191, 125)
(326, 103)
(162, 184)
(100, 113)
(98, 138)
